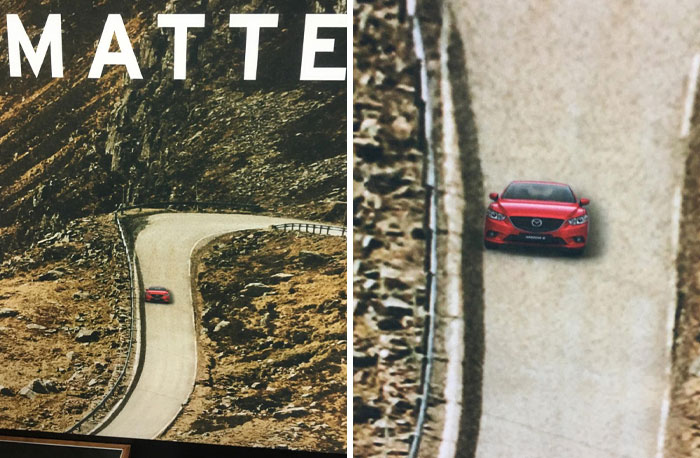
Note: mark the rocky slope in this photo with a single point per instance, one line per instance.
(64, 325)
(272, 343)
(71, 147)
(74, 148)
(389, 242)
(683, 438)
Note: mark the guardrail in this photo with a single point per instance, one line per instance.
(230, 205)
(425, 107)
(132, 296)
(312, 228)
(304, 227)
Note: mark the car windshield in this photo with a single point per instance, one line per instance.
(539, 191)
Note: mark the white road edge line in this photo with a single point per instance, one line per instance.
(690, 92)
(453, 200)
(671, 312)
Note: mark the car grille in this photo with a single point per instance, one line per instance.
(525, 223)
(547, 240)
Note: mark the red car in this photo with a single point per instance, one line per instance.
(157, 294)
(537, 213)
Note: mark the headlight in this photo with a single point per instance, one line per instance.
(578, 220)
(495, 215)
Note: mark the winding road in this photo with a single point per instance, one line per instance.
(163, 249)
(590, 93)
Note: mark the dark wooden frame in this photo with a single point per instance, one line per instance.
(125, 448)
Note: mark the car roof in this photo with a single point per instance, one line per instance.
(540, 182)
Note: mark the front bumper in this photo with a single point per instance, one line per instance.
(566, 236)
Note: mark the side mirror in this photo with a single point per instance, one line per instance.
(585, 202)
(493, 196)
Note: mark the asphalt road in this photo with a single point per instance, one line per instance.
(592, 94)
(163, 249)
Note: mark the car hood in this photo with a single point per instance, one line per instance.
(543, 209)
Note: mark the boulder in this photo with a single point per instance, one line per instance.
(290, 412)
(364, 412)
(36, 327)
(280, 277)
(361, 360)
(88, 335)
(368, 149)
(80, 295)
(38, 386)
(386, 182)
(694, 368)
(6, 313)
(5, 391)
(312, 259)
(370, 244)
(395, 307)
(50, 386)
(401, 128)
(255, 289)
(27, 393)
(389, 324)
(236, 419)
(50, 275)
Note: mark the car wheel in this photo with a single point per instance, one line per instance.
(490, 245)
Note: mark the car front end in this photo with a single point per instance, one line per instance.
(570, 233)
(537, 213)
(161, 296)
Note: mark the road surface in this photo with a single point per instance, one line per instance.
(592, 94)
(163, 249)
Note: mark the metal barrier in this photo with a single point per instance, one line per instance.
(430, 180)
(240, 206)
(101, 404)
(312, 228)
(304, 227)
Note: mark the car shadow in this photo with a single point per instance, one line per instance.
(539, 251)
(596, 231)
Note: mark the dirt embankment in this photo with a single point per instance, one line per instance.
(389, 280)
(683, 439)
(271, 310)
(64, 325)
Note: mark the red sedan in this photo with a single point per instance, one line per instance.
(157, 294)
(537, 213)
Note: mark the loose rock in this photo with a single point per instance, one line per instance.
(50, 275)
(288, 412)
(6, 313)
(88, 335)
(256, 289)
(5, 391)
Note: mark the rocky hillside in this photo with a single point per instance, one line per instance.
(683, 437)
(71, 147)
(272, 345)
(64, 325)
(389, 280)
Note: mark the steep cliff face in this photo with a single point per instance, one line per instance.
(75, 146)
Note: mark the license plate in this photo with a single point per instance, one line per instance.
(538, 238)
